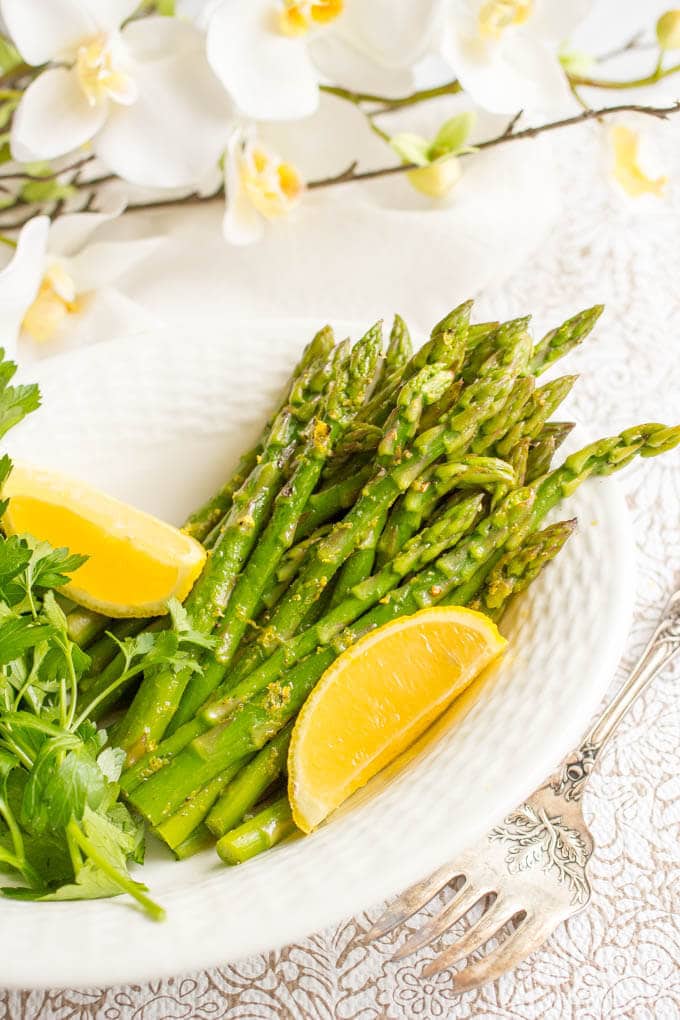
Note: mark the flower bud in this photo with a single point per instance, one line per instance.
(437, 179)
(668, 30)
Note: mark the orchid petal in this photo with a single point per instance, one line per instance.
(345, 65)
(270, 76)
(242, 223)
(102, 316)
(109, 15)
(20, 279)
(518, 73)
(70, 233)
(54, 117)
(174, 132)
(105, 261)
(46, 31)
(199, 12)
(394, 33)
(317, 146)
(554, 20)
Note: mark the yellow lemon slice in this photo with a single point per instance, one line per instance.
(377, 698)
(136, 562)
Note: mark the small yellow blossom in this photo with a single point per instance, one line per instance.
(436, 179)
(98, 76)
(297, 17)
(56, 298)
(497, 15)
(668, 30)
(627, 169)
(272, 185)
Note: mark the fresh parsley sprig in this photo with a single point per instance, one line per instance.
(64, 834)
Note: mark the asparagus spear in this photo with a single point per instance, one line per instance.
(202, 521)
(543, 448)
(327, 503)
(564, 338)
(498, 339)
(249, 785)
(359, 565)
(159, 693)
(177, 829)
(446, 347)
(398, 353)
(420, 499)
(346, 395)
(543, 402)
(262, 832)
(517, 569)
(513, 410)
(85, 626)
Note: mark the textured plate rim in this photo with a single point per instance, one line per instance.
(64, 969)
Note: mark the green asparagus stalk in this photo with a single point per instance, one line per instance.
(346, 396)
(543, 448)
(200, 839)
(262, 832)
(203, 520)
(177, 829)
(446, 348)
(399, 352)
(502, 337)
(516, 408)
(85, 626)
(359, 565)
(329, 502)
(517, 569)
(543, 402)
(564, 338)
(416, 505)
(160, 692)
(246, 789)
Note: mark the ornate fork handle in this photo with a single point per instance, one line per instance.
(660, 649)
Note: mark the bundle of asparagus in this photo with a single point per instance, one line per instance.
(385, 483)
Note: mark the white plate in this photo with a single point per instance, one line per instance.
(160, 420)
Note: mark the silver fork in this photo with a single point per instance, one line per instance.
(530, 871)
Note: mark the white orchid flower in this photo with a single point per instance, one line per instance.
(57, 284)
(271, 55)
(260, 52)
(635, 163)
(505, 52)
(143, 94)
(259, 186)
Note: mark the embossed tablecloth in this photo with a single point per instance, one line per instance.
(621, 956)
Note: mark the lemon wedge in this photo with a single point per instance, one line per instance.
(136, 562)
(377, 698)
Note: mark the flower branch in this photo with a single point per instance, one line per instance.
(351, 174)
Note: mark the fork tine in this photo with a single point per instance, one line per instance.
(526, 939)
(455, 909)
(411, 902)
(498, 914)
